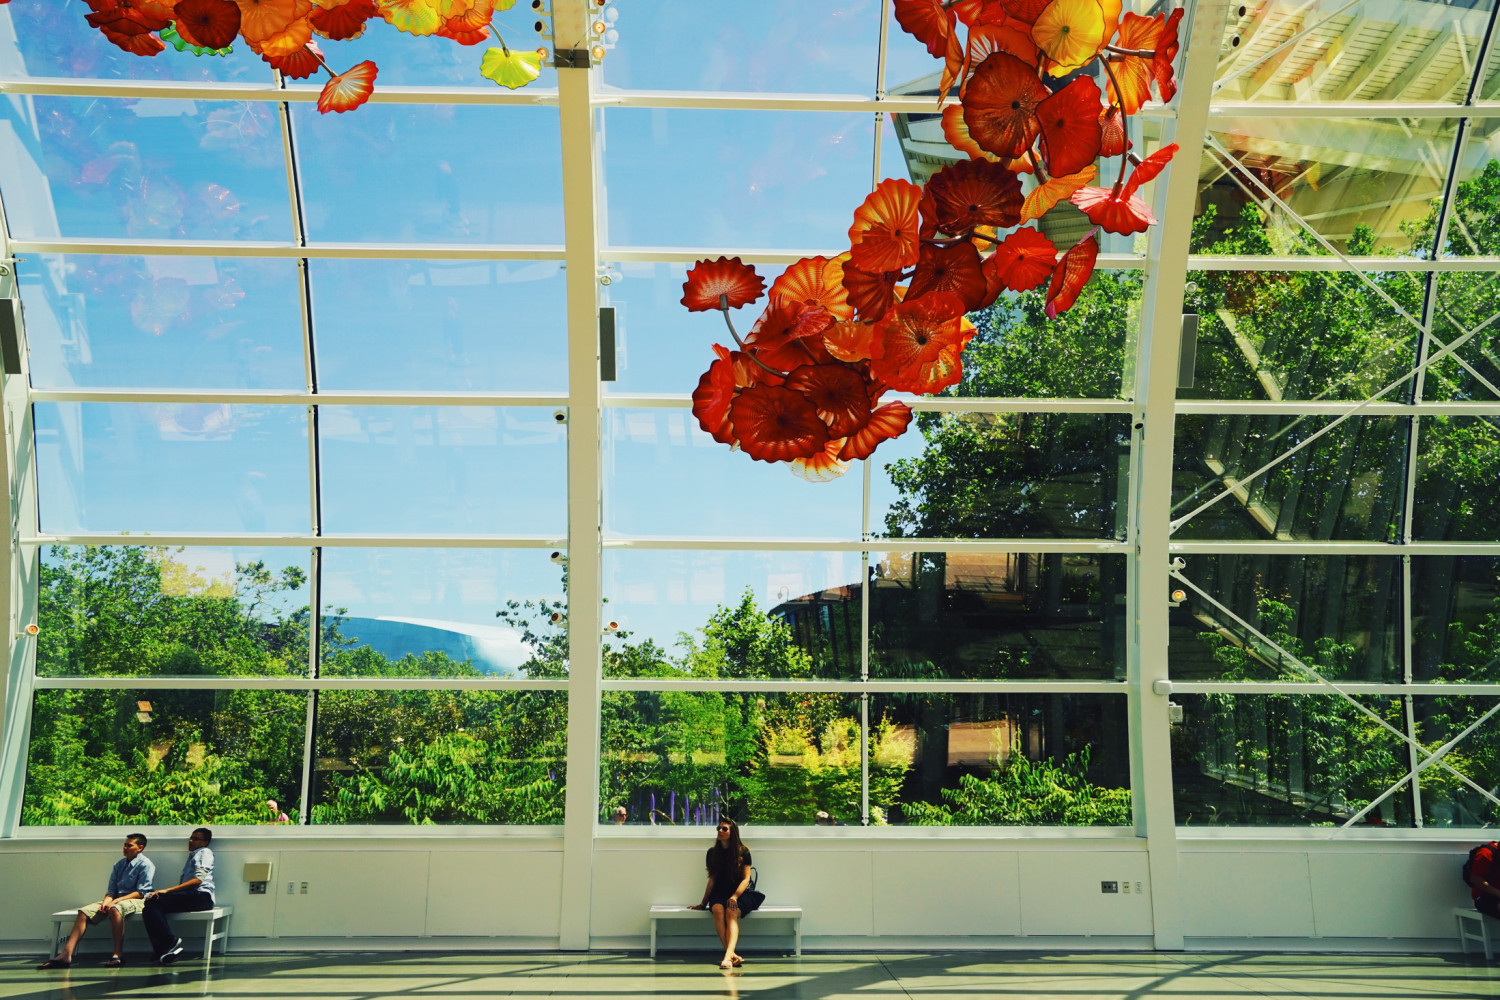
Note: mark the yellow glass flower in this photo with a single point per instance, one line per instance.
(1069, 33)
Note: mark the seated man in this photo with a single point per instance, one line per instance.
(1484, 892)
(129, 881)
(194, 892)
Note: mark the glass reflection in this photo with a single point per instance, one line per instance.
(464, 326)
(1367, 186)
(1288, 760)
(1001, 759)
(440, 757)
(1455, 618)
(169, 322)
(663, 476)
(1455, 496)
(164, 758)
(733, 614)
(144, 168)
(1448, 790)
(171, 467)
(774, 179)
(992, 616)
(411, 612)
(1346, 484)
(442, 470)
(1465, 301)
(1280, 335)
(220, 612)
(427, 174)
(1366, 51)
(1002, 475)
(782, 46)
(1473, 225)
(684, 758)
(1339, 615)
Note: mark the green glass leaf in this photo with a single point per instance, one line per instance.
(171, 37)
(511, 68)
(501, 5)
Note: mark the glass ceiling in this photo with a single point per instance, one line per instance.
(372, 336)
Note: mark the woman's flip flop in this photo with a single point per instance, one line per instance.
(55, 963)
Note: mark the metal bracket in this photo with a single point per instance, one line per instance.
(570, 58)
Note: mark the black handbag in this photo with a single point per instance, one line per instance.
(751, 899)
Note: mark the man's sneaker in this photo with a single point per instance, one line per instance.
(170, 955)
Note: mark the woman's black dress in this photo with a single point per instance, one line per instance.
(724, 885)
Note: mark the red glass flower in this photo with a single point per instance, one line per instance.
(1023, 261)
(885, 231)
(1000, 105)
(889, 421)
(343, 21)
(973, 193)
(349, 89)
(1070, 126)
(1071, 274)
(954, 268)
(707, 280)
(212, 24)
(922, 341)
(776, 424)
(837, 392)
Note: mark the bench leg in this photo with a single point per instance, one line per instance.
(653, 937)
(208, 942)
(1463, 934)
(1489, 946)
(797, 928)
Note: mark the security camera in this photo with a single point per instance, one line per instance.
(556, 557)
(561, 416)
(32, 629)
(611, 626)
(556, 618)
(538, 5)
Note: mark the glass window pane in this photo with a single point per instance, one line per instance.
(1347, 484)
(171, 467)
(980, 760)
(1457, 464)
(437, 325)
(1365, 51)
(1472, 228)
(684, 758)
(1367, 186)
(421, 757)
(1339, 615)
(154, 168)
(41, 40)
(442, 613)
(1454, 619)
(733, 614)
(1002, 475)
(993, 616)
(164, 758)
(443, 470)
(157, 611)
(774, 179)
(781, 46)
(657, 453)
(1287, 760)
(1449, 795)
(1279, 335)
(1466, 300)
(162, 322)
(427, 174)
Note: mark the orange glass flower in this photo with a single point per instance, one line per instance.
(349, 89)
(212, 24)
(1025, 11)
(776, 424)
(707, 280)
(884, 236)
(889, 421)
(1069, 33)
(848, 340)
(1112, 138)
(716, 390)
(1023, 260)
(973, 193)
(1148, 168)
(954, 268)
(824, 467)
(1069, 119)
(1042, 197)
(928, 21)
(1133, 73)
(262, 19)
(837, 392)
(344, 21)
(1000, 105)
(1164, 55)
(1071, 274)
(415, 17)
(299, 64)
(814, 282)
(872, 295)
(922, 339)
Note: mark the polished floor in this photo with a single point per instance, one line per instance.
(931, 976)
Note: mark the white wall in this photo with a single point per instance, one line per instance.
(908, 891)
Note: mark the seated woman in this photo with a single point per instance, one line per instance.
(728, 864)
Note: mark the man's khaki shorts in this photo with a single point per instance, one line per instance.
(127, 908)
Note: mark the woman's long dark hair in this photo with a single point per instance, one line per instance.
(724, 859)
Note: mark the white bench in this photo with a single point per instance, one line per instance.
(217, 920)
(792, 913)
(1479, 933)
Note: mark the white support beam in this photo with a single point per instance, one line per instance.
(240, 397)
(1356, 81)
(1418, 66)
(132, 683)
(288, 251)
(1151, 472)
(581, 179)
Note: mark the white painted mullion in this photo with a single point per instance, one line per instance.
(1155, 392)
(236, 683)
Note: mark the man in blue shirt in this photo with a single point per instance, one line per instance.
(195, 891)
(129, 881)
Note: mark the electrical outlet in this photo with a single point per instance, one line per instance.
(304, 888)
(257, 888)
(291, 888)
(1109, 887)
(1125, 888)
(1137, 888)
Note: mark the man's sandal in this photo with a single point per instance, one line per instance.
(115, 961)
(56, 963)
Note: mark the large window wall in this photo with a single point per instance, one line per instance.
(336, 523)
